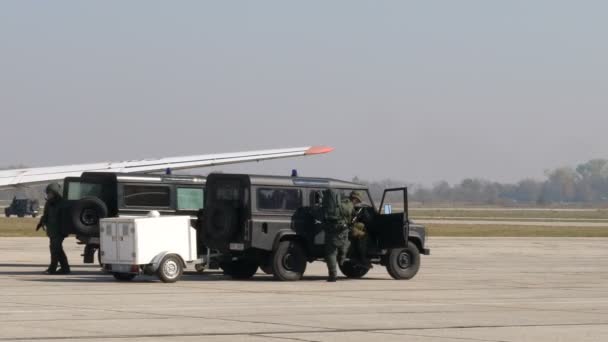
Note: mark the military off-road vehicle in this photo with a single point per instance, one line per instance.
(21, 207)
(267, 222)
(97, 195)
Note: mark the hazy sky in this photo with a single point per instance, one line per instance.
(414, 90)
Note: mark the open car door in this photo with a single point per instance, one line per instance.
(392, 222)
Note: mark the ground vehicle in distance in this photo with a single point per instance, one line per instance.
(96, 195)
(265, 221)
(150, 245)
(22, 206)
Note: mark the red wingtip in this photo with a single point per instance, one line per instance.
(319, 150)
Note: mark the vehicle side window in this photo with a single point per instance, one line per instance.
(279, 199)
(147, 196)
(190, 199)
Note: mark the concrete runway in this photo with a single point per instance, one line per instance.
(470, 289)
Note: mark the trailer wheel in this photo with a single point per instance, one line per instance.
(170, 269)
(403, 263)
(289, 261)
(124, 276)
(353, 270)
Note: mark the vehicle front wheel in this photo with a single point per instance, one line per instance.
(124, 276)
(170, 269)
(289, 261)
(353, 270)
(403, 263)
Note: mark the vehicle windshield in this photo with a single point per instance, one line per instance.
(79, 190)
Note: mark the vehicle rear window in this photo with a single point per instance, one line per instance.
(79, 190)
(147, 196)
(279, 199)
(190, 199)
(227, 191)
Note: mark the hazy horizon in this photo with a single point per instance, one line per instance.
(413, 91)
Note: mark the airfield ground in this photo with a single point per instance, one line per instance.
(498, 222)
(469, 289)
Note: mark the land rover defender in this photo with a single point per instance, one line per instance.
(266, 222)
(97, 195)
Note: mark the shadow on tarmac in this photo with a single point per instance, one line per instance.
(93, 274)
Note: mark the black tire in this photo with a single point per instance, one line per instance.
(200, 268)
(20, 215)
(34, 215)
(124, 276)
(403, 263)
(289, 261)
(353, 270)
(222, 225)
(267, 269)
(85, 215)
(170, 269)
(240, 269)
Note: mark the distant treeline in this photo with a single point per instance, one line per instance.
(587, 184)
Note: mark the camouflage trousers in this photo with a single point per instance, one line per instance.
(336, 249)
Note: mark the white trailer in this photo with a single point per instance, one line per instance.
(149, 245)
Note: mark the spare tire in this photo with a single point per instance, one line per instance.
(222, 225)
(86, 214)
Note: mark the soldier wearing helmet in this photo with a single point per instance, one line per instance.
(51, 223)
(359, 230)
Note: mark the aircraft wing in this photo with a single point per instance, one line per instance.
(18, 177)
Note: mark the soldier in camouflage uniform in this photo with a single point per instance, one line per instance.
(359, 231)
(337, 219)
(51, 223)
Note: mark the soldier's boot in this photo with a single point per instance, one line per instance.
(332, 278)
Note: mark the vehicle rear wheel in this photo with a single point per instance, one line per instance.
(200, 268)
(403, 263)
(240, 269)
(170, 269)
(353, 270)
(267, 269)
(289, 261)
(124, 276)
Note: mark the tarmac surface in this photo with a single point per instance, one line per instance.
(469, 289)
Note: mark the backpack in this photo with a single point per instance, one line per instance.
(331, 206)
